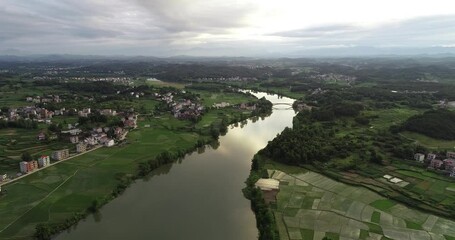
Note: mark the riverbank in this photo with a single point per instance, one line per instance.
(60, 196)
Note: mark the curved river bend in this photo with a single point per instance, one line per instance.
(197, 198)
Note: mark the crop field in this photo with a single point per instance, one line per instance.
(312, 206)
(387, 117)
(431, 185)
(210, 98)
(60, 191)
(13, 142)
(166, 84)
(428, 141)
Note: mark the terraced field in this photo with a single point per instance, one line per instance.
(312, 206)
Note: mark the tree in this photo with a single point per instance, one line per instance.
(43, 232)
(26, 156)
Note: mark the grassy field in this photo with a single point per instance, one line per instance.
(210, 98)
(56, 193)
(165, 84)
(13, 142)
(428, 141)
(312, 206)
(384, 118)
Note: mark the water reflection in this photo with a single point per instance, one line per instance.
(199, 198)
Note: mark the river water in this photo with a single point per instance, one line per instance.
(199, 197)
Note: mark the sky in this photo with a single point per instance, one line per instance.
(223, 28)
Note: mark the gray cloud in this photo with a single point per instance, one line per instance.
(172, 27)
(319, 31)
(197, 15)
(425, 32)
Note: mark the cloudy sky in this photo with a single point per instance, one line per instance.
(220, 27)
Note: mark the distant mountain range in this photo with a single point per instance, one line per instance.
(357, 51)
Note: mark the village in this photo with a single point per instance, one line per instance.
(432, 160)
(80, 138)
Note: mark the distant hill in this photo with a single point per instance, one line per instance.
(438, 124)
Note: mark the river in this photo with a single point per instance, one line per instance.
(199, 197)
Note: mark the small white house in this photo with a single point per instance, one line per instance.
(109, 143)
(419, 157)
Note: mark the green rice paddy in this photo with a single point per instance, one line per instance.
(312, 206)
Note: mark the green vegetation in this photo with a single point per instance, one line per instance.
(439, 124)
(428, 142)
(383, 204)
(320, 206)
(64, 192)
(265, 219)
(351, 130)
(376, 217)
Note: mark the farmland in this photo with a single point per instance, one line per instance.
(312, 206)
(16, 141)
(429, 142)
(57, 193)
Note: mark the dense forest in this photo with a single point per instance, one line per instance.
(309, 143)
(438, 124)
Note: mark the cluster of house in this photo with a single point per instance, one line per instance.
(43, 161)
(334, 77)
(227, 79)
(247, 106)
(98, 136)
(85, 112)
(130, 121)
(186, 109)
(38, 114)
(136, 94)
(121, 80)
(30, 166)
(447, 165)
(181, 109)
(301, 106)
(446, 103)
(44, 99)
(221, 105)
(318, 91)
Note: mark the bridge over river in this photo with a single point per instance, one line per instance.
(282, 106)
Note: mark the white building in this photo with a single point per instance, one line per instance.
(419, 157)
(81, 147)
(91, 141)
(44, 161)
(74, 139)
(61, 154)
(3, 177)
(23, 166)
(109, 143)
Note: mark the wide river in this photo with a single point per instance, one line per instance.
(199, 197)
